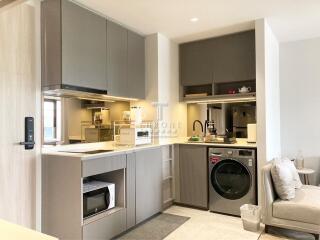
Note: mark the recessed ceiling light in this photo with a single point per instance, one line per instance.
(194, 19)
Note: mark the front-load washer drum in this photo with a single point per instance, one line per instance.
(230, 179)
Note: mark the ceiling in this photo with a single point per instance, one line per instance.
(289, 19)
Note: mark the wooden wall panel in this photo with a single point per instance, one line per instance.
(18, 91)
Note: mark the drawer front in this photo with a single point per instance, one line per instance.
(101, 165)
(105, 228)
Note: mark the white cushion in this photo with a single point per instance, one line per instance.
(283, 179)
(305, 207)
(296, 178)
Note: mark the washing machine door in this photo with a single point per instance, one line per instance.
(231, 179)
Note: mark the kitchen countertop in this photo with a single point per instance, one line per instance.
(116, 149)
(10, 231)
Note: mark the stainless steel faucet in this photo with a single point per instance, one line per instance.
(194, 125)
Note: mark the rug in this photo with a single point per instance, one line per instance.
(156, 228)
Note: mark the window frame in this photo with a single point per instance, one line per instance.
(58, 127)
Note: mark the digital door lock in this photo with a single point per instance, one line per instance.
(28, 133)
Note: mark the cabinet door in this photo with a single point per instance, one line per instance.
(84, 54)
(234, 58)
(193, 175)
(117, 39)
(131, 190)
(148, 183)
(136, 66)
(196, 63)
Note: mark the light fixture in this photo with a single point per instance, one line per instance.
(223, 100)
(119, 98)
(194, 19)
(95, 99)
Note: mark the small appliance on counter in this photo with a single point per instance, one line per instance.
(252, 133)
(135, 136)
(98, 196)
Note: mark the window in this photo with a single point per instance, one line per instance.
(51, 120)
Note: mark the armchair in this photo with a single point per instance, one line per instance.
(301, 213)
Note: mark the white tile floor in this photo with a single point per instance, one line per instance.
(207, 225)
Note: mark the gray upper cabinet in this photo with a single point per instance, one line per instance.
(223, 59)
(83, 47)
(193, 175)
(84, 51)
(196, 63)
(234, 58)
(73, 47)
(148, 183)
(117, 54)
(136, 65)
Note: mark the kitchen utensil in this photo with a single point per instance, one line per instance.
(136, 115)
(252, 133)
(244, 89)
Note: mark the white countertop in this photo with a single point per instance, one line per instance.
(10, 231)
(116, 149)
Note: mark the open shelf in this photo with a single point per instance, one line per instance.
(225, 98)
(100, 215)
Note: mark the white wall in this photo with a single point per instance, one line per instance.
(300, 98)
(268, 96)
(162, 87)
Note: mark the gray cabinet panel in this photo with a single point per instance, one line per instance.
(84, 54)
(193, 175)
(234, 58)
(104, 164)
(148, 183)
(131, 190)
(196, 63)
(105, 228)
(136, 65)
(50, 43)
(117, 41)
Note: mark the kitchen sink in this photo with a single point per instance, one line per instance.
(90, 151)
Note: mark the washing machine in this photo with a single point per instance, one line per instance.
(232, 179)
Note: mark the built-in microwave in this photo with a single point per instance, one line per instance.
(135, 136)
(98, 196)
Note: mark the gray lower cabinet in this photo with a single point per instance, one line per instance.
(73, 46)
(136, 65)
(105, 228)
(148, 183)
(193, 175)
(131, 190)
(117, 54)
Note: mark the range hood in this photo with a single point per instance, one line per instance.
(225, 98)
(68, 91)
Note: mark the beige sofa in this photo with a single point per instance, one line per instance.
(301, 213)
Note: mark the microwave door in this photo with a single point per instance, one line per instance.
(96, 201)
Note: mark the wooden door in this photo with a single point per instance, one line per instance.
(193, 175)
(19, 97)
(148, 183)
